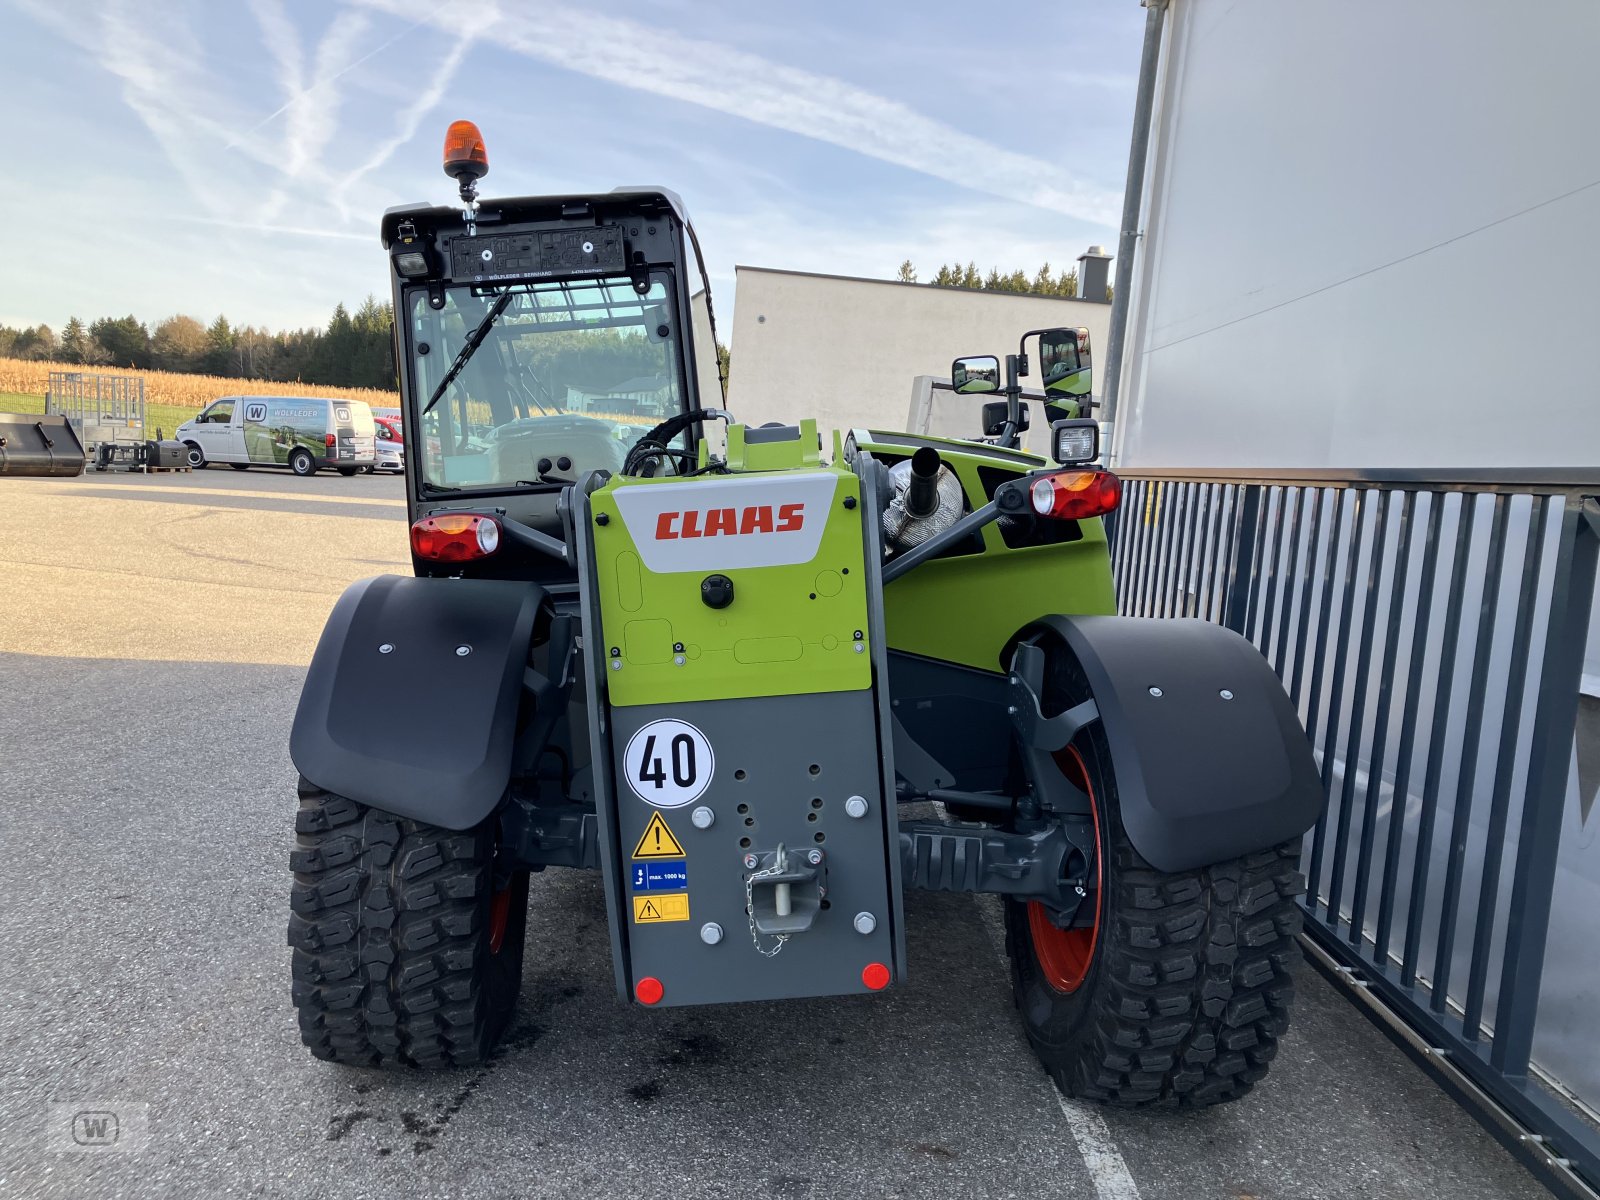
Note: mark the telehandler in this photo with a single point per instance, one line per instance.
(765, 689)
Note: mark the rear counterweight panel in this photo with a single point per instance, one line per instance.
(781, 770)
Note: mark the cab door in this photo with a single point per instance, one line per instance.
(216, 432)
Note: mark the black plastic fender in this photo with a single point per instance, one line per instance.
(410, 704)
(1210, 758)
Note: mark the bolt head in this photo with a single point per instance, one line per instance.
(386, 648)
(860, 648)
(711, 933)
(813, 857)
(463, 651)
(750, 861)
(1225, 694)
(678, 660)
(616, 664)
(702, 817)
(864, 923)
(856, 806)
(1156, 692)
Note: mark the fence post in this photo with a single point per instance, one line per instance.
(1549, 763)
(1236, 601)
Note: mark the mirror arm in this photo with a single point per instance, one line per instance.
(534, 539)
(937, 544)
(1009, 435)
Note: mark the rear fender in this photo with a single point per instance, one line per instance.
(411, 701)
(1210, 759)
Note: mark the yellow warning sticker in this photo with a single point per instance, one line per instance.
(657, 842)
(667, 906)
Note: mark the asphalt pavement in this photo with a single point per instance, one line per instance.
(153, 635)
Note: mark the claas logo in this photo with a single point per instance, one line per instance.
(722, 522)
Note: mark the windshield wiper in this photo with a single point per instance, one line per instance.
(469, 347)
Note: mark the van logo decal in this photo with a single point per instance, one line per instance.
(256, 414)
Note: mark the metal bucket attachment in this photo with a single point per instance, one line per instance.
(31, 444)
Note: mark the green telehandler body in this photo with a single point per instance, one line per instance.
(765, 682)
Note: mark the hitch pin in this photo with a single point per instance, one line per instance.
(780, 891)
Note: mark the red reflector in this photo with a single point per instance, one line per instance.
(455, 537)
(649, 990)
(330, 440)
(875, 976)
(1076, 495)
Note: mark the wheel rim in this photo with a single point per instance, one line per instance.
(1065, 955)
(195, 457)
(499, 918)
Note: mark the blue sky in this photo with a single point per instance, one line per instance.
(234, 157)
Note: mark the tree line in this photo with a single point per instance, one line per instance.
(352, 350)
(1041, 283)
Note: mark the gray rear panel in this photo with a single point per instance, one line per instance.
(784, 768)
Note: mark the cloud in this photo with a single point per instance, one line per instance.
(744, 85)
(311, 112)
(410, 121)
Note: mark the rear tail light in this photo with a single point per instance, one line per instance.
(455, 537)
(331, 441)
(1076, 495)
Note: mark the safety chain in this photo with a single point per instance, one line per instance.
(750, 910)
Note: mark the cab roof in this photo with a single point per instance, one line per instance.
(537, 208)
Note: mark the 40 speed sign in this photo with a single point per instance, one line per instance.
(669, 763)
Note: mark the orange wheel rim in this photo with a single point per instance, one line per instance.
(499, 916)
(1065, 954)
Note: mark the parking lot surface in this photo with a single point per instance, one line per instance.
(155, 632)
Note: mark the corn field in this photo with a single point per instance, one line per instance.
(169, 388)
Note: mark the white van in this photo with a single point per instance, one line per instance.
(303, 433)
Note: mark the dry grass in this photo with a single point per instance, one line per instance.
(170, 389)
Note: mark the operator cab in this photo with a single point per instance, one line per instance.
(539, 339)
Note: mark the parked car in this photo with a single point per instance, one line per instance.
(390, 444)
(303, 433)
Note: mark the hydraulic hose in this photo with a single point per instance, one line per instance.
(922, 495)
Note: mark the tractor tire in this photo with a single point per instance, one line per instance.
(301, 462)
(1179, 993)
(404, 950)
(195, 457)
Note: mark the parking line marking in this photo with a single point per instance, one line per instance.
(139, 492)
(1107, 1169)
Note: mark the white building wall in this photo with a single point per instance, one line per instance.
(1371, 237)
(846, 351)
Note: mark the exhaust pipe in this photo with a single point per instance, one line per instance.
(922, 495)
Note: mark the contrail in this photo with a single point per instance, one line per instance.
(285, 106)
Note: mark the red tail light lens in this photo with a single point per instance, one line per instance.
(455, 537)
(1076, 495)
(330, 441)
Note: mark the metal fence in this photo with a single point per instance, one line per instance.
(1432, 631)
(102, 408)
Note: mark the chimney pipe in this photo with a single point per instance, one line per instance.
(1094, 269)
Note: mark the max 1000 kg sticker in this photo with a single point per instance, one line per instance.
(669, 763)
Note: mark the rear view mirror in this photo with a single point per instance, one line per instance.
(1064, 360)
(980, 373)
